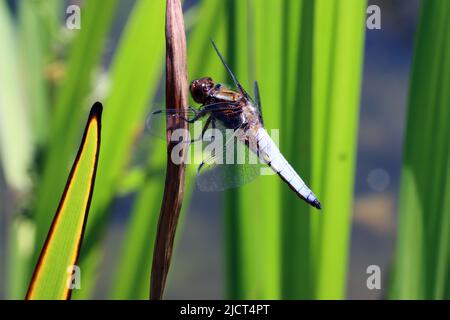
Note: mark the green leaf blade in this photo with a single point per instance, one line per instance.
(421, 262)
(61, 249)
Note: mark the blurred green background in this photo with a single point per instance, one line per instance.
(340, 94)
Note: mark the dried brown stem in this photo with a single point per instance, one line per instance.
(176, 97)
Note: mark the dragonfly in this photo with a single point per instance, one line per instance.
(236, 111)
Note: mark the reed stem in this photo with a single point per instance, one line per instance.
(176, 97)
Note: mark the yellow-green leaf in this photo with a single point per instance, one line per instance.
(60, 252)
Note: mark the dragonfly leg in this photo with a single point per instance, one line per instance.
(231, 106)
(213, 124)
(208, 122)
(195, 111)
(226, 143)
(198, 115)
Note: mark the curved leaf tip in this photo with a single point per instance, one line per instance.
(56, 274)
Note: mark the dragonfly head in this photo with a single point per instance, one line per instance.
(200, 89)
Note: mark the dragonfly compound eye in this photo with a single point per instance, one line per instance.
(201, 88)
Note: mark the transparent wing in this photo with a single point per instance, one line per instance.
(257, 98)
(228, 164)
(156, 120)
(230, 73)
